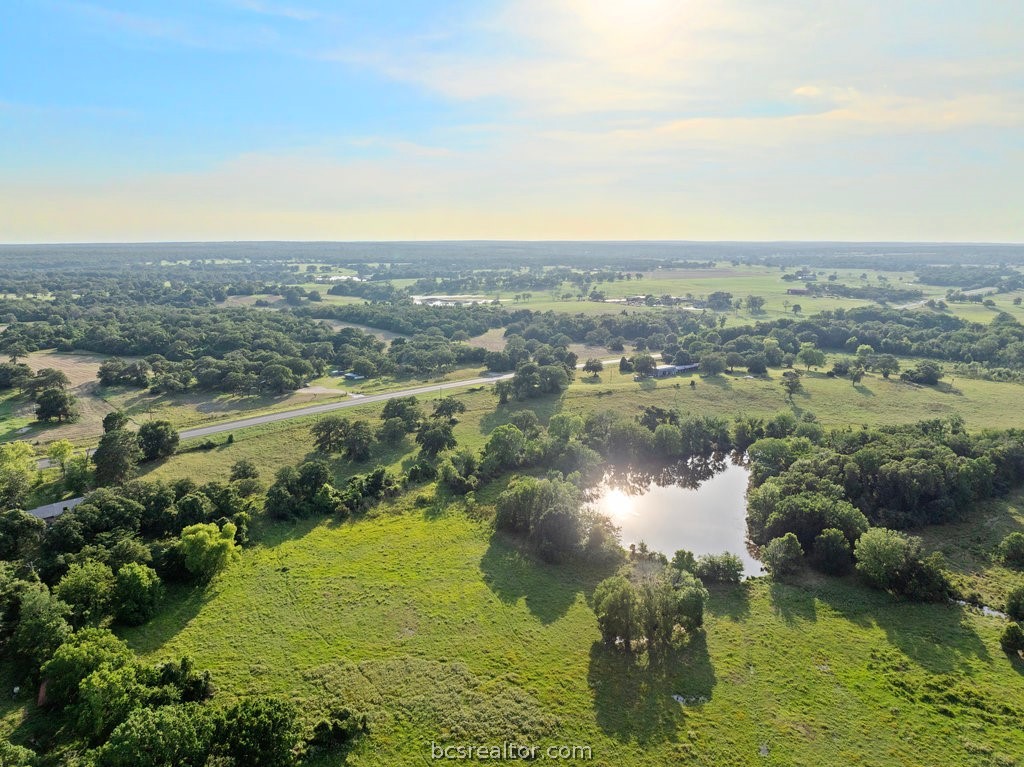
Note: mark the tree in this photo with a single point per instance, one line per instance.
(434, 437)
(755, 304)
(797, 309)
(137, 593)
(791, 383)
(886, 364)
(176, 735)
(1012, 550)
(277, 379)
(405, 408)
(357, 442)
(734, 360)
(811, 356)
(114, 420)
(1015, 603)
(1012, 640)
(892, 561)
(832, 552)
(856, 374)
(329, 433)
(116, 456)
(712, 364)
(17, 461)
(258, 732)
(47, 378)
(158, 439)
(782, 556)
(42, 625)
(615, 606)
(720, 568)
(59, 452)
(244, 469)
(448, 408)
(56, 403)
(83, 652)
(644, 365)
(208, 549)
(88, 589)
(593, 366)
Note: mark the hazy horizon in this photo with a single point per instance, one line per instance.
(652, 120)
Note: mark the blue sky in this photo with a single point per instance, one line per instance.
(531, 119)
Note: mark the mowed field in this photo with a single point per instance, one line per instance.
(442, 631)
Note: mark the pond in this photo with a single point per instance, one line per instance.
(701, 507)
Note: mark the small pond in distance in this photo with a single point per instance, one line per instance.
(701, 507)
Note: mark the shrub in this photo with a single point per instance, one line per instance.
(1015, 603)
(783, 556)
(1012, 640)
(832, 553)
(1012, 549)
(719, 568)
(88, 589)
(137, 593)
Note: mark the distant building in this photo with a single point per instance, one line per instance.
(667, 371)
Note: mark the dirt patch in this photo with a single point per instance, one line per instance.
(493, 340)
(80, 368)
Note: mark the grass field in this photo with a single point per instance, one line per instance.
(442, 631)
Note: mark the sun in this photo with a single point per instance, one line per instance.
(616, 505)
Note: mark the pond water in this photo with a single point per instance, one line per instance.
(699, 507)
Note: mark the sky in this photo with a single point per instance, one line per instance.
(856, 120)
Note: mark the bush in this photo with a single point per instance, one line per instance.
(167, 736)
(207, 549)
(832, 553)
(1015, 603)
(782, 556)
(1012, 550)
(719, 568)
(258, 732)
(1012, 640)
(892, 561)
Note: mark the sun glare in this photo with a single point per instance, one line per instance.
(616, 505)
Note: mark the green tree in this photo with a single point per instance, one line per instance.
(329, 433)
(448, 408)
(791, 383)
(1012, 640)
(644, 365)
(782, 556)
(56, 403)
(177, 735)
(137, 593)
(358, 441)
(616, 610)
(158, 439)
(1012, 550)
(244, 469)
(114, 420)
(208, 549)
(42, 626)
(434, 437)
(811, 356)
(17, 462)
(593, 366)
(832, 552)
(83, 652)
(116, 456)
(258, 732)
(59, 452)
(88, 589)
(712, 364)
(1015, 603)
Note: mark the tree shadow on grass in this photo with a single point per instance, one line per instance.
(938, 637)
(542, 407)
(633, 693)
(729, 601)
(792, 603)
(513, 573)
(182, 603)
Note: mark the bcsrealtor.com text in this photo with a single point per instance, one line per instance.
(494, 752)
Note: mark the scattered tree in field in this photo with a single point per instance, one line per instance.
(811, 356)
(116, 456)
(1012, 550)
(644, 364)
(856, 374)
(755, 304)
(791, 383)
(713, 364)
(1015, 603)
(448, 407)
(615, 606)
(649, 608)
(797, 309)
(244, 469)
(56, 403)
(593, 366)
(1012, 640)
(405, 408)
(157, 439)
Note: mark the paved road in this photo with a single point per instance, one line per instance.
(54, 509)
(972, 292)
